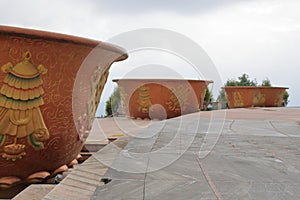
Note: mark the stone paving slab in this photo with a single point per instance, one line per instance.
(178, 190)
(121, 189)
(253, 158)
(85, 178)
(35, 192)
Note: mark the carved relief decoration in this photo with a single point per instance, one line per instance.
(259, 99)
(144, 99)
(20, 101)
(178, 99)
(238, 99)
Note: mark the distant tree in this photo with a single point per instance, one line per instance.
(286, 98)
(231, 83)
(222, 96)
(112, 104)
(242, 81)
(208, 98)
(245, 81)
(266, 83)
(108, 110)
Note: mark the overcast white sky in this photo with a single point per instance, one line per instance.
(257, 37)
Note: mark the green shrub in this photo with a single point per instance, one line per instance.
(112, 104)
(242, 81)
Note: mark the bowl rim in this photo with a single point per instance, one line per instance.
(59, 37)
(160, 79)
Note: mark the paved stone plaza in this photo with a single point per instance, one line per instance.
(225, 154)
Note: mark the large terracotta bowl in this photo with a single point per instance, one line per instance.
(254, 96)
(161, 98)
(50, 88)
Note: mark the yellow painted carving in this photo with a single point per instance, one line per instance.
(173, 104)
(278, 98)
(238, 99)
(20, 115)
(85, 120)
(98, 81)
(178, 100)
(259, 99)
(144, 99)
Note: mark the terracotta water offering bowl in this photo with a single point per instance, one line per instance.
(254, 96)
(50, 86)
(161, 98)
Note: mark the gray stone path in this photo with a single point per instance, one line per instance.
(252, 159)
